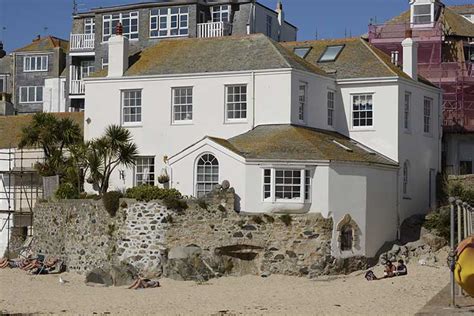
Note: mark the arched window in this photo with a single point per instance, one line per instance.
(406, 171)
(207, 174)
(347, 238)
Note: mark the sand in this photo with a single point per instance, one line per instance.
(22, 293)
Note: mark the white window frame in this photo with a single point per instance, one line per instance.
(43, 62)
(302, 101)
(236, 103)
(427, 116)
(145, 162)
(128, 122)
(395, 57)
(105, 62)
(204, 182)
(89, 26)
(87, 67)
(218, 11)
(407, 112)
(158, 16)
(119, 18)
(367, 126)
(28, 90)
(174, 105)
(331, 100)
(414, 16)
(269, 182)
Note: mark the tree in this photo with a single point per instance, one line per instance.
(106, 153)
(54, 136)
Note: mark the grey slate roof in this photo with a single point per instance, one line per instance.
(298, 143)
(203, 55)
(358, 59)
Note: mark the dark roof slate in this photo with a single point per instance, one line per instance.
(298, 143)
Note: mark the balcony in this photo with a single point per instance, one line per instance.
(213, 29)
(76, 87)
(82, 42)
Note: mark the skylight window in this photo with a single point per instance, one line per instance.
(331, 53)
(302, 51)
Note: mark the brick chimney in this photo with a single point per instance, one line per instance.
(118, 53)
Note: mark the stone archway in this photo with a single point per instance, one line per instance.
(345, 240)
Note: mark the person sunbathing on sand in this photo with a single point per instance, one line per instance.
(144, 284)
(390, 270)
(401, 268)
(4, 263)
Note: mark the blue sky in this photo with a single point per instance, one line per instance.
(22, 20)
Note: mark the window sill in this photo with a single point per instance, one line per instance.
(362, 129)
(286, 201)
(236, 121)
(181, 123)
(46, 70)
(129, 125)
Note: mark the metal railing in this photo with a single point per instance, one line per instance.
(82, 41)
(462, 221)
(213, 29)
(77, 87)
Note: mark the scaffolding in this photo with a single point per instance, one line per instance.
(20, 188)
(442, 60)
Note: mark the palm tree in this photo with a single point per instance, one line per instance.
(108, 152)
(54, 136)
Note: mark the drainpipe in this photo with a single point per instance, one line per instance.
(398, 205)
(253, 99)
(14, 83)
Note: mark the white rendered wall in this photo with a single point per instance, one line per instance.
(54, 99)
(383, 136)
(423, 151)
(157, 136)
(368, 195)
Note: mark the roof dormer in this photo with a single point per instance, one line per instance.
(424, 13)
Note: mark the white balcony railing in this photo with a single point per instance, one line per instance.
(213, 29)
(77, 87)
(82, 41)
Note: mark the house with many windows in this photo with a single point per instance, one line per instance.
(444, 36)
(145, 24)
(329, 127)
(38, 76)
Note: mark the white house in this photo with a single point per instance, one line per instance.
(328, 127)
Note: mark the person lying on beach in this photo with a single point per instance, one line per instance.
(401, 268)
(390, 270)
(370, 276)
(19, 263)
(144, 284)
(4, 263)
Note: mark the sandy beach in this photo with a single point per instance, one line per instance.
(22, 293)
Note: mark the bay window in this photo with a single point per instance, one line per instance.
(286, 185)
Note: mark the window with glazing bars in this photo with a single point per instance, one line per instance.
(169, 22)
(236, 102)
(145, 171)
(132, 106)
(129, 22)
(182, 104)
(362, 110)
(207, 174)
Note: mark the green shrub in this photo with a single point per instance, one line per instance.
(439, 222)
(176, 204)
(466, 195)
(148, 193)
(111, 201)
(286, 219)
(66, 191)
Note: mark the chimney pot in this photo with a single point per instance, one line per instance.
(119, 29)
(409, 33)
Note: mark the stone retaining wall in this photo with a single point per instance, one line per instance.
(207, 240)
